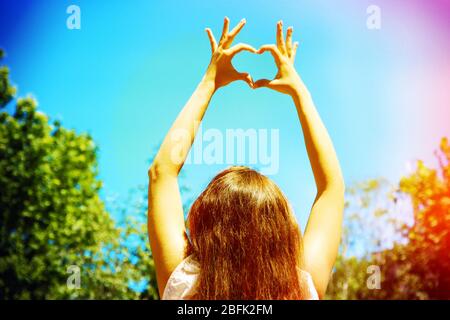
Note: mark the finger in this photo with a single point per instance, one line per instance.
(246, 77)
(262, 83)
(273, 50)
(280, 41)
(232, 34)
(289, 41)
(294, 51)
(271, 84)
(212, 40)
(226, 23)
(241, 47)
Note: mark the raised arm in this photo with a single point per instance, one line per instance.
(166, 225)
(323, 231)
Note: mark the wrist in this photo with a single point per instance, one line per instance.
(299, 90)
(209, 78)
(208, 81)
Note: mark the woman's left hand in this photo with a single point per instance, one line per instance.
(220, 68)
(287, 79)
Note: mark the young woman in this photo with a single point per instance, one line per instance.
(244, 241)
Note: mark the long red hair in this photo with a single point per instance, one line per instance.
(245, 238)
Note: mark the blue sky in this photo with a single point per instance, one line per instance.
(126, 74)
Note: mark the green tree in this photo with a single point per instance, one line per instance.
(52, 218)
(428, 249)
(416, 262)
(373, 221)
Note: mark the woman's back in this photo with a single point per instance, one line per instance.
(245, 238)
(182, 282)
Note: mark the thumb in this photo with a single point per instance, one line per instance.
(263, 83)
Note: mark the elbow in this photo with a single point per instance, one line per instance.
(335, 187)
(158, 171)
(340, 186)
(337, 184)
(152, 172)
(340, 193)
(339, 190)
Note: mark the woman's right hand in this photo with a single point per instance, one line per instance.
(220, 68)
(287, 79)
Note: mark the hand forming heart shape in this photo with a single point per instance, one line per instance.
(223, 72)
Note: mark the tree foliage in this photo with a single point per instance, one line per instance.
(429, 237)
(52, 217)
(416, 265)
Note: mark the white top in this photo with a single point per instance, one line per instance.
(180, 285)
